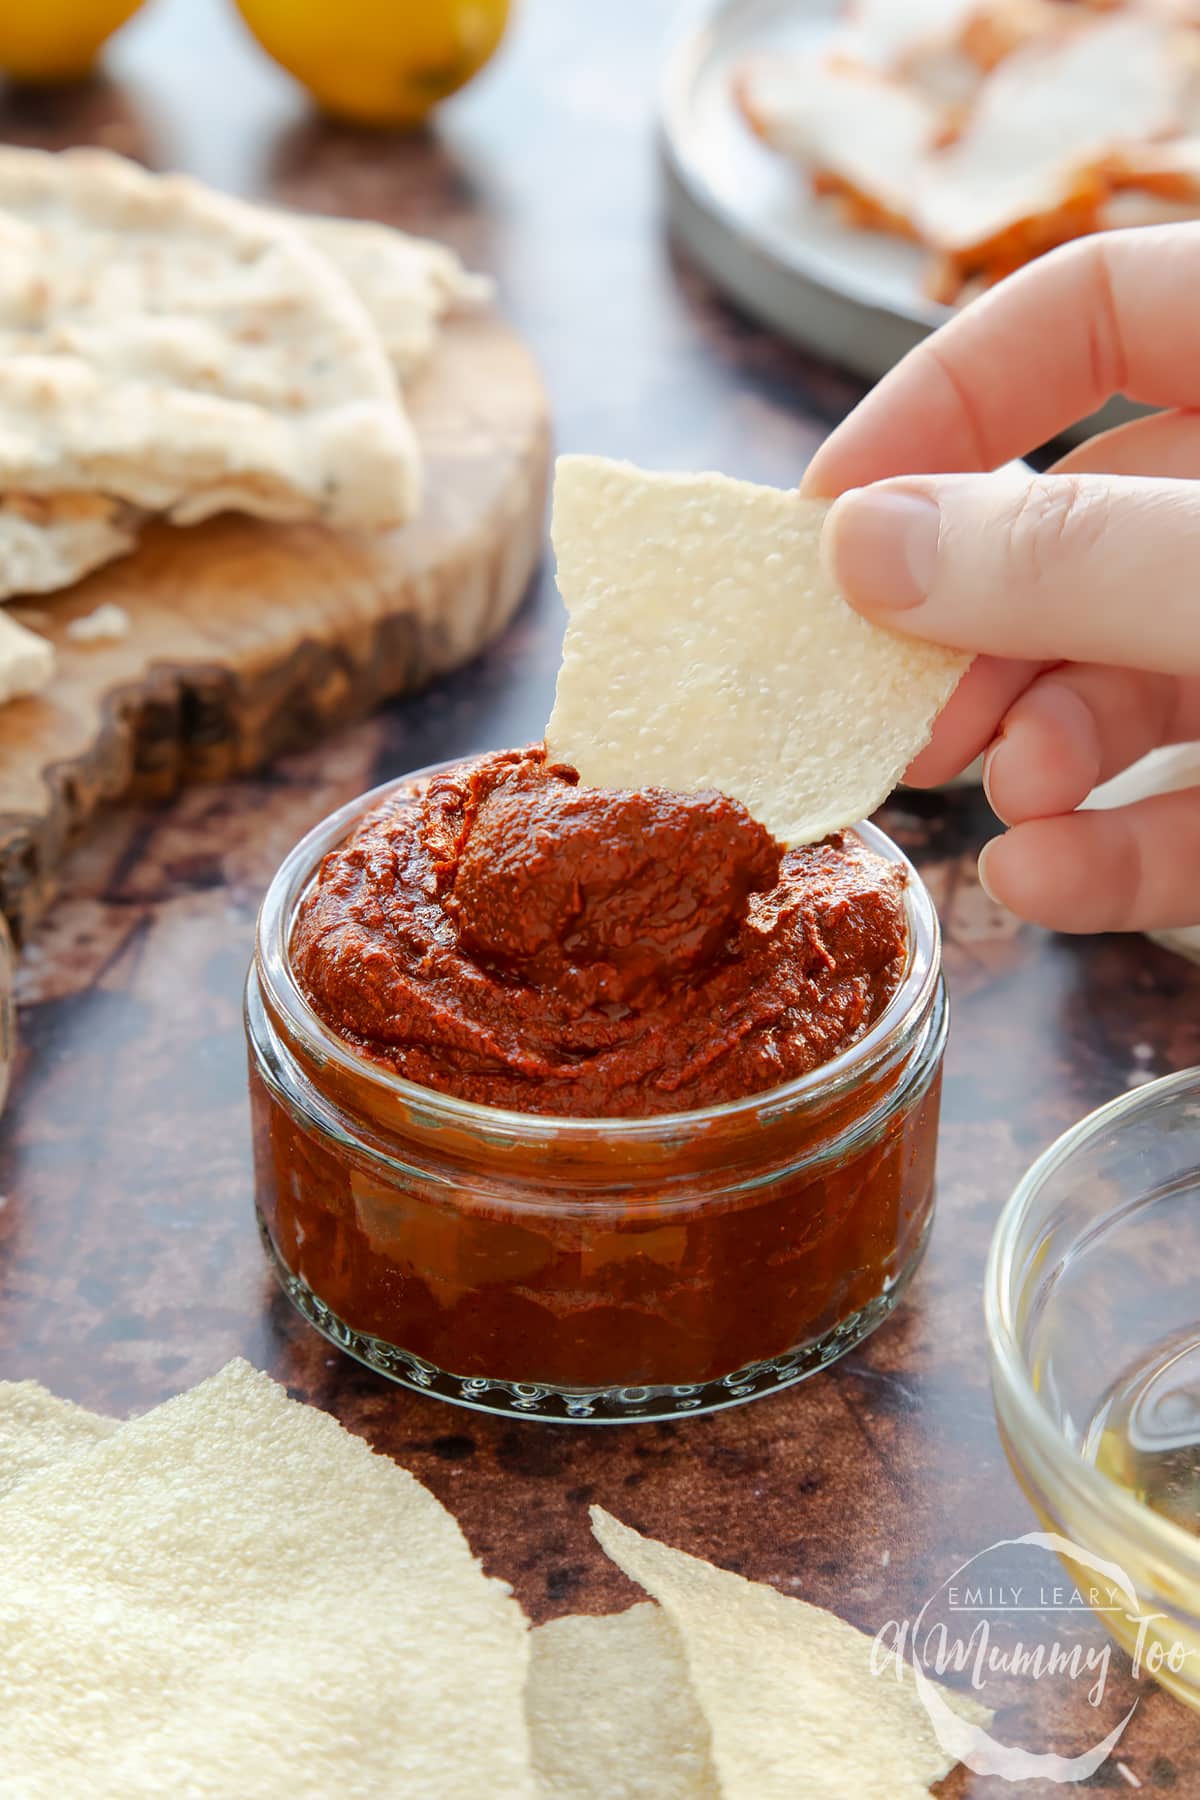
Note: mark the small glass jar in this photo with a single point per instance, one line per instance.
(1092, 1297)
(589, 1269)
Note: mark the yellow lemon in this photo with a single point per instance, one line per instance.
(56, 40)
(378, 62)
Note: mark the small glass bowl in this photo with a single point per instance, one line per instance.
(1092, 1298)
(589, 1269)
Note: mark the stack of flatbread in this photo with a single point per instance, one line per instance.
(992, 130)
(169, 351)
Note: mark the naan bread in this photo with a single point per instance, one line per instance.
(26, 660)
(173, 348)
(407, 284)
(48, 541)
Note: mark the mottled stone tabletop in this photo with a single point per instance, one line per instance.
(129, 1262)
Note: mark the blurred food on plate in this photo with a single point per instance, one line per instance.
(56, 40)
(378, 62)
(989, 131)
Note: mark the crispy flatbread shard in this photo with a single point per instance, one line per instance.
(1030, 166)
(859, 131)
(787, 1688)
(994, 29)
(37, 1430)
(48, 541)
(706, 648)
(1127, 208)
(26, 660)
(407, 284)
(940, 49)
(889, 34)
(612, 1713)
(990, 130)
(1166, 172)
(866, 115)
(233, 1595)
(182, 351)
(944, 47)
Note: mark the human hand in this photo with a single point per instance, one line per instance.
(1080, 589)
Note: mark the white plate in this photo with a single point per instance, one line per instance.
(745, 213)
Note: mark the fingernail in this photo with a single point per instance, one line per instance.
(880, 547)
(983, 877)
(989, 756)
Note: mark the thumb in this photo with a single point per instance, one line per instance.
(1080, 568)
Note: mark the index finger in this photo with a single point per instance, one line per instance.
(1113, 313)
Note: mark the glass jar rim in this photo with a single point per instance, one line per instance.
(910, 1001)
(1001, 1297)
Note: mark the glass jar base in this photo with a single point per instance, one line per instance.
(588, 1405)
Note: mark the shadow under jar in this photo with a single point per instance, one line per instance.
(590, 1269)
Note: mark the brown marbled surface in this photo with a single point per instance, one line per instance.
(129, 1263)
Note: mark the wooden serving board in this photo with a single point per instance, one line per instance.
(248, 638)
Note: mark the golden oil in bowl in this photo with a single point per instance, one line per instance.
(1145, 1433)
(1093, 1310)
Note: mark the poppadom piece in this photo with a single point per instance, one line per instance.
(706, 648)
(787, 1688)
(611, 1711)
(38, 1429)
(233, 1595)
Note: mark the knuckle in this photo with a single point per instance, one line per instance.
(1055, 524)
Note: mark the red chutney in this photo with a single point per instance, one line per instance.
(496, 932)
(509, 937)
